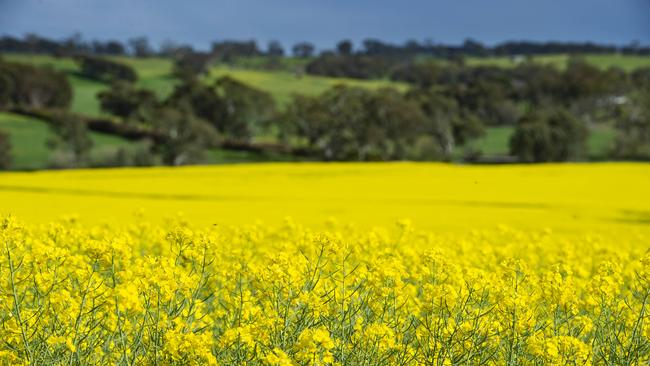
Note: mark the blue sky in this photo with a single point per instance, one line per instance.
(324, 22)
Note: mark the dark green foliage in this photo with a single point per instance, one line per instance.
(36, 87)
(229, 50)
(450, 124)
(128, 102)
(303, 50)
(582, 80)
(244, 109)
(71, 141)
(633, 125)
(233, 108)
(349, 66)
(549, 135)
(275, 49)
(105, 70)
(185, 136)
(192, 64)
(140, 47)
(347, 123)
(6, 89)
(641, 78)
(419, 74)
(344, 47)
(5, 151)
(489, 93)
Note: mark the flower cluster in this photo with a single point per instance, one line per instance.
(289, 295)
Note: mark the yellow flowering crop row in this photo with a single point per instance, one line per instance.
(438, 197)
(259, 295)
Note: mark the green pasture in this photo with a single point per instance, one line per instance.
(28, 137)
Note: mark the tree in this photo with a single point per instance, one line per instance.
(229, 50)
(303, 50)
(633, 126)
(140, 47)
(549, 135)
(124, 100)
(185, 136)
(641, 78)
(420, 74)
(5, 151)
(71, 138)
(34, 87)
(175, 50)
(351, 123)
(6, 88)
(244, 109)
(192, 64)
(472, 47)
(111, 47)
(450, 124)
(233, 108)
(354, 66)
(114, 48)
(344, 47)
(106, 70)
(275, 49)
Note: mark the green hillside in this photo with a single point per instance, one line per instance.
(282, 84)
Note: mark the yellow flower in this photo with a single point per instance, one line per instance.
(277, 357)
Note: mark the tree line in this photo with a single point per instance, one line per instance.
(228, 49)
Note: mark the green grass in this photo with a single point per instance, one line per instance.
(495, 142)
(601, 141)
(28, 137)
(282, 84)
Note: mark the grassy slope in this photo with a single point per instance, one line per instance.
(495, 142)
(154, 73)
(601, 141)
(282, 84)
(28, 137)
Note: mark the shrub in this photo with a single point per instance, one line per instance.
(71, 141)
(549, 135)
(106, 70)
(36, 87)
(633, 126)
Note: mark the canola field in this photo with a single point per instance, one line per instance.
(327, 264)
